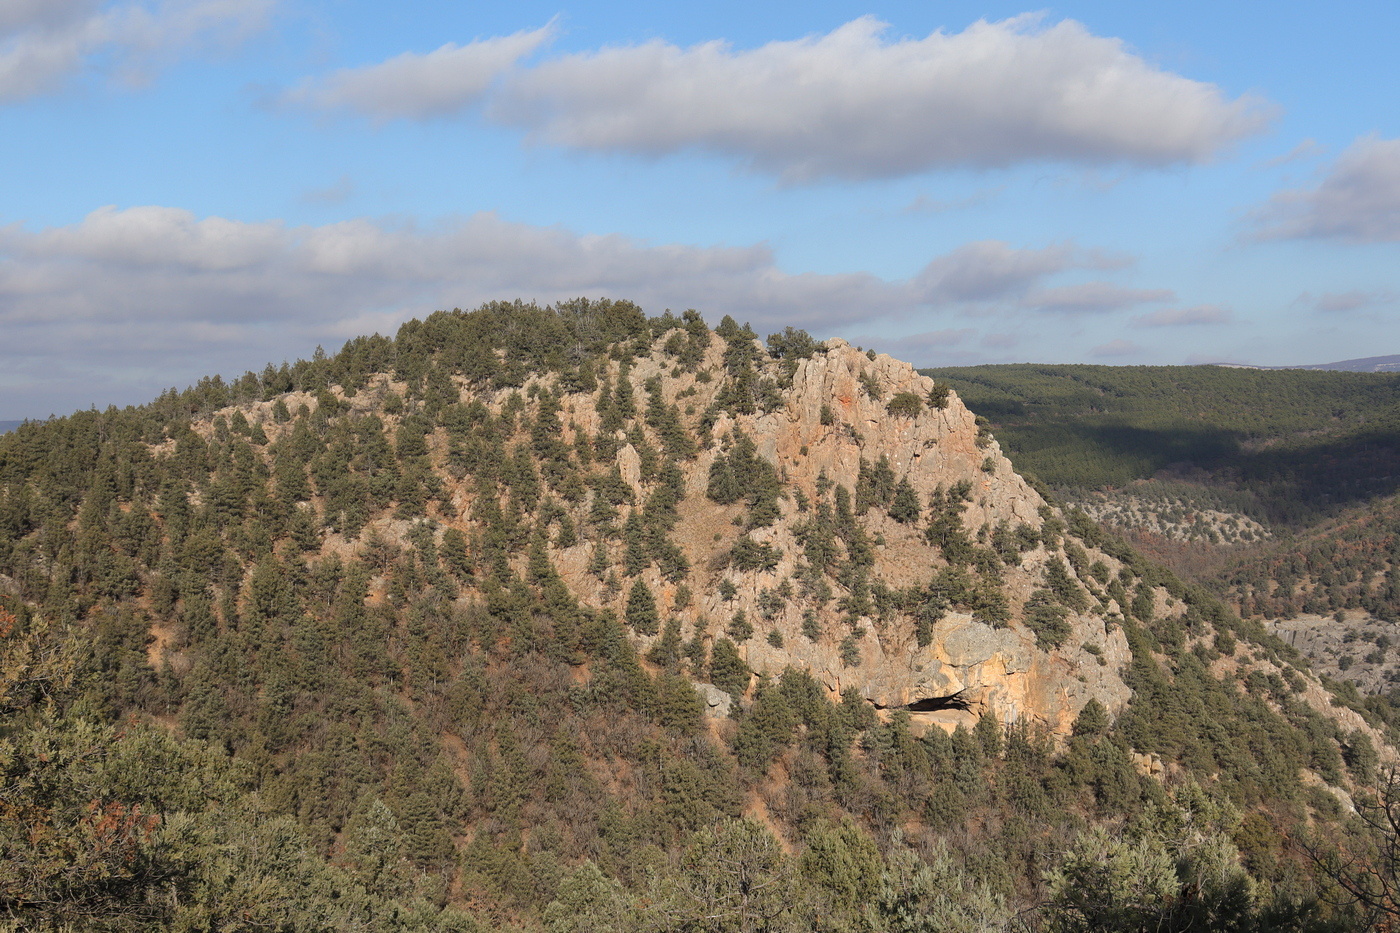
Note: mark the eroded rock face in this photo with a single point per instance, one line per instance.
(999, 670)
(829, 422)
(935, 447)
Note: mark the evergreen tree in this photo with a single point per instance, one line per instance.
(642, 615)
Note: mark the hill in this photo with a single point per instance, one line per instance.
(8, 426)
(1369, 364)
(569, 618)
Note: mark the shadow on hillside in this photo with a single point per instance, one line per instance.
(1295, 483)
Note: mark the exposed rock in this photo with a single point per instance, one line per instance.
(1001, 670)
(717, 702)
(629, 464)
(1356, 647)
(1149, 765)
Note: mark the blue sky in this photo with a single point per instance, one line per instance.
(202, 186)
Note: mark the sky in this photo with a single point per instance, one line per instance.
(193, 187)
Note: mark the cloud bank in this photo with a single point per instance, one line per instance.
(418, 87)
(45, 43)
(128, 302)
(1093, 297)
(851, 104)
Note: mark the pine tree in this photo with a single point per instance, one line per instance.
(642, 615)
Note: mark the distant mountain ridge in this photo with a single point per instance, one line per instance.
(1369, 364)
(7, 426)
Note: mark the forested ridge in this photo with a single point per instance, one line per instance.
(1294, 445)
(258, 671)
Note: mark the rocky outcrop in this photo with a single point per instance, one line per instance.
(835, 415)
(820, 422)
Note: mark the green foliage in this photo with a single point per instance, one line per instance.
(744, 474)
(740, 628)
(589, 901)
(905, 405)
(727, 669)
(1064, 587)
(642, 614)
(1346, 563)
(732, 877)
(1046, 618)
(1092, 719)
(1177, 869)
(320, 671)
(875, 485)
(904, 504)
(748, 555)
(850, 650)
(844, 865)
(792, 344)
(767, 728)
(935, 896)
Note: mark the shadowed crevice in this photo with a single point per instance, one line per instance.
(934, 704)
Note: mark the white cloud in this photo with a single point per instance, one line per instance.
(1118, 347)
(416, 86)
(856, 104)
(919, 349)
(990, 269)
(338, 192)
(1184, 317)
(1358, 200)
(924, 204)
(1307, 149)
(44, 43)
(17, 15)
(127, 302)
(1344, 302)
(158, 237)
(1093, 297)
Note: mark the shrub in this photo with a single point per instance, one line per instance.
(748, 554)
(905, 405)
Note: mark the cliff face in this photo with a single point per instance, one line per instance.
(996, 668)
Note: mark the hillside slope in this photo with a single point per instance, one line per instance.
(570, 609)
